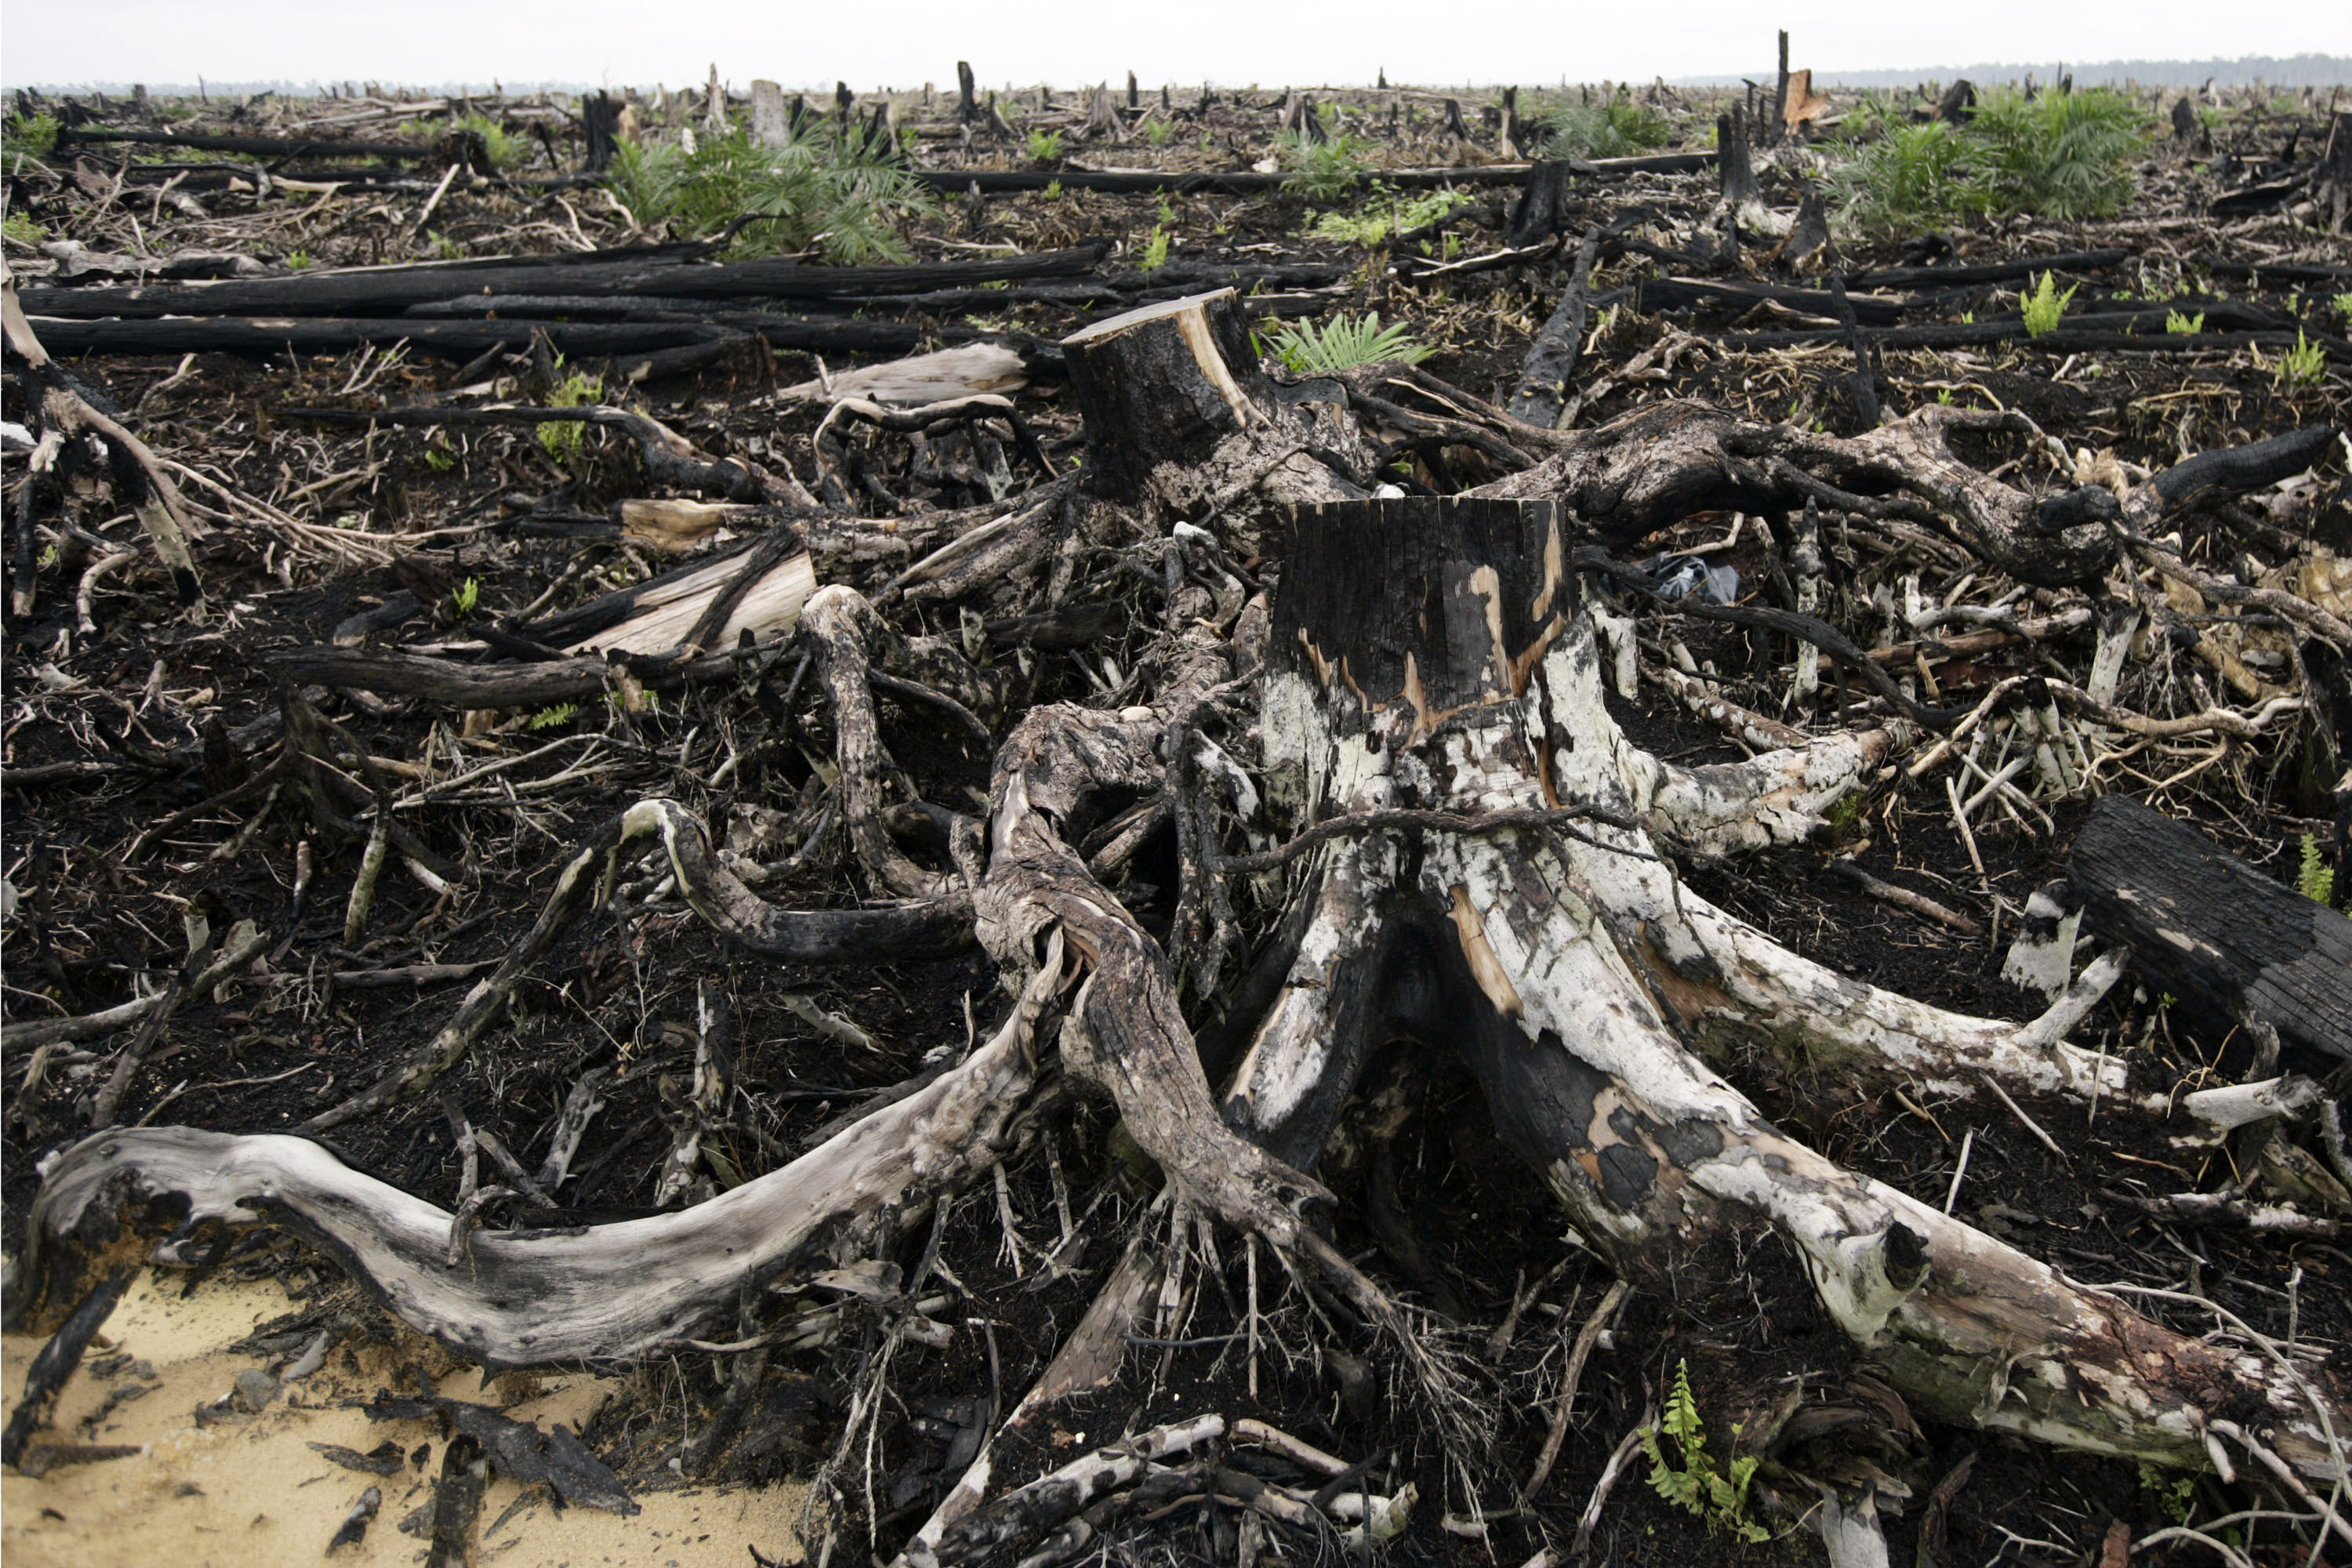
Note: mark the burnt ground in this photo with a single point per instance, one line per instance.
(113, 730)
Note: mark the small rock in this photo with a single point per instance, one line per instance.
(255, 1388)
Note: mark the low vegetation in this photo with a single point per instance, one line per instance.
(819, 190)
(1693, 1479)
(2045, 305)
(1328, 171)
(1616, 128)
(2056, 155)
(1343, 343)
(1385, 216)
(26, 138)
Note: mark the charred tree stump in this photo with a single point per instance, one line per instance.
(1433, 657)
(600, 117)
(1179, 417)
(1541, 210)
(1734, 166)
(2207, 929)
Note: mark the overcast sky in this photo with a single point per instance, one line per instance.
(904, 43)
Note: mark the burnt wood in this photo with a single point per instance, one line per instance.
(372, 290)
(2207, 929)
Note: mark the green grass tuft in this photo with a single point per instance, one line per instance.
(26, 138)
(503, 147)
(2306, 362)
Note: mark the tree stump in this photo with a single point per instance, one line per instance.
(1179, 417)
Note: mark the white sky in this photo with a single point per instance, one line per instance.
(903, 43)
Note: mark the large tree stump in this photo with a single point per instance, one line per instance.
(1433, 658)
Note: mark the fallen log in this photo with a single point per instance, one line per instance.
(1541, 396)
(1218, 181)
(253, 146)
(2102, 333)
(2226, 943)
(1965, 273)
(384, 291)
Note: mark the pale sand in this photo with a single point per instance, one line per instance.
(253, 1493)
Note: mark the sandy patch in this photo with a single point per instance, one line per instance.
(252, 1491)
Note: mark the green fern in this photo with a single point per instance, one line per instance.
(2044, 308)
(1696, 1484)
(2316, 879)
(1344, 343)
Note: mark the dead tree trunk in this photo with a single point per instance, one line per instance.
(1434, 657)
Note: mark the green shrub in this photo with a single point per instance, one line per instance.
(2060, 156)
(26, 138)
(1321, 171)
(21, 230)
(1344, 343)
(817, 189)
(1905, 179)
(1045, 146)
(2183, 324)
(1155, 250)
(2044, 308)
(1616, 129)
